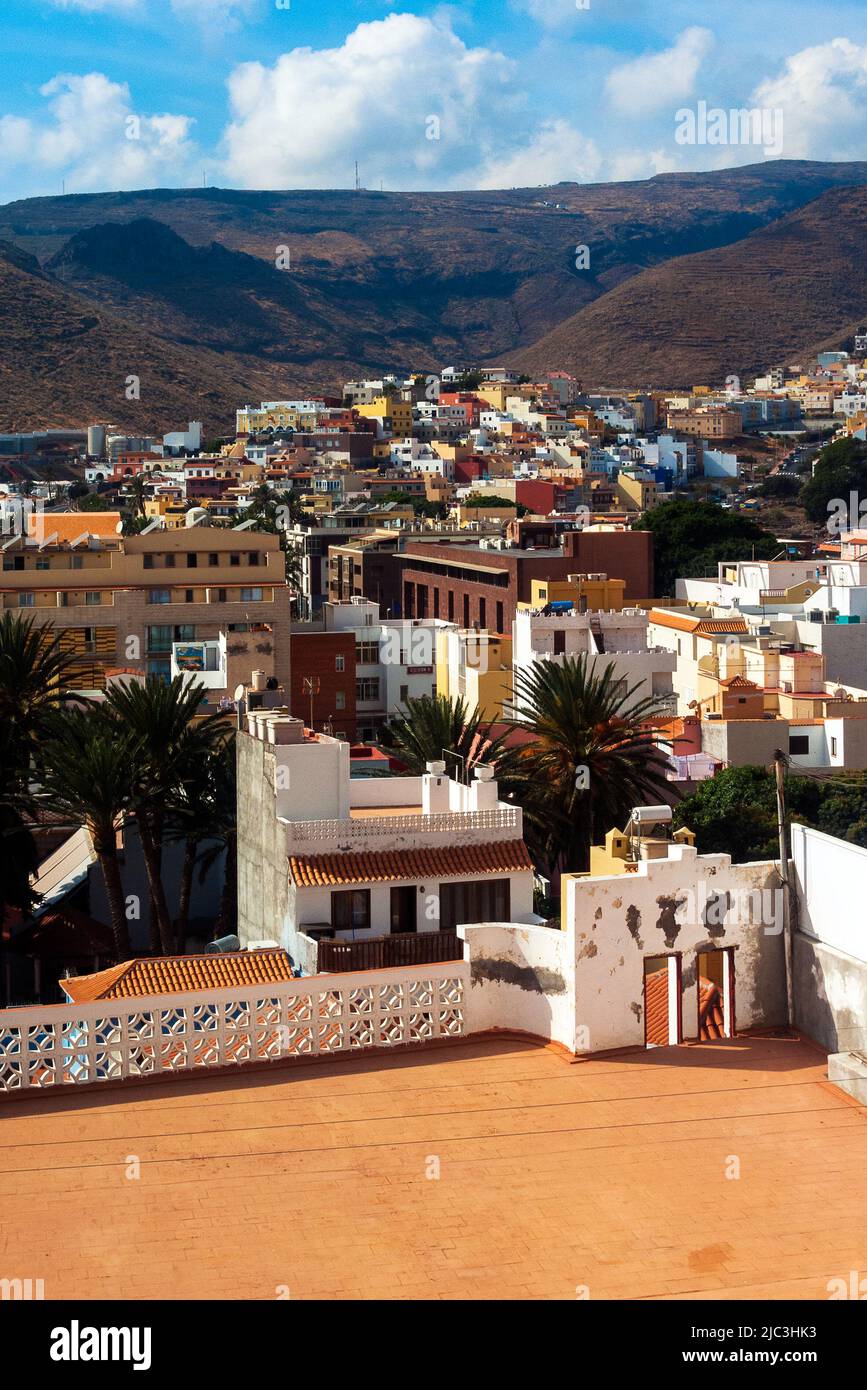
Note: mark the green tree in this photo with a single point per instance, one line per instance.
(432, 723)
(735, 812)
(593, 755)
(205, 818)
(34, 672)
(168, 739)
(85, 772)
(691, 538)
(841, 470)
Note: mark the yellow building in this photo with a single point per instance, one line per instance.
(594, 593)
(464, 514)
(622, 850)
(636, 494)
(474, 666)
(395, 414)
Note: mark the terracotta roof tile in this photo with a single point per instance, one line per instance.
(716, 627)
(136, 979)
(385, 866)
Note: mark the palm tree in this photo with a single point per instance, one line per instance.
(138, 491)
(34, 669)
(33, 672)
(85, 771)
(432, 726)
(167, 739)
(205, 818)
(592, 755)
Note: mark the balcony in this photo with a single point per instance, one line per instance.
(383, 952)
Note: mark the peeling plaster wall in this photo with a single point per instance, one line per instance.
(522, 978)
(685, 904)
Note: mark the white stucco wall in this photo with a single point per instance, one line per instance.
(521, 978)
(670, 907)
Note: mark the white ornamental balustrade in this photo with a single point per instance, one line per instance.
(113, 1040)
(441, 823)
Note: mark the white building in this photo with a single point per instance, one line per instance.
(605, 638)
(394, 659)
(324, 857)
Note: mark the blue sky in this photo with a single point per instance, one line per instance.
(110, 94)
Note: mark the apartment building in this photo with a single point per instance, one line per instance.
(393, 660)
(365, 568)
(213, 602)
(324, 858)
(482, 584)
(603, 639)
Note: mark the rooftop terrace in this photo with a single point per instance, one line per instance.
(608, 1173)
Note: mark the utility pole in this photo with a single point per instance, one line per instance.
(783, 830)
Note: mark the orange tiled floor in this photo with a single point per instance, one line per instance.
(609, 1174)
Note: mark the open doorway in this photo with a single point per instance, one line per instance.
(662, 1001)
(716, 995)
(403, 909)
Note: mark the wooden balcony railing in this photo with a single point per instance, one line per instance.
(382, 952)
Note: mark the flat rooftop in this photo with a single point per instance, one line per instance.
(609, 1174)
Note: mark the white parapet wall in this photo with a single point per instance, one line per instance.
(831, 940)
(522, 978)
(115, 1040)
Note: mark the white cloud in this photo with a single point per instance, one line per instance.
(95, 138)
(554, 14)
(822, 93)
(100, 6)
(557, 152)
(217, 16)
(377, 98)
(658, 80)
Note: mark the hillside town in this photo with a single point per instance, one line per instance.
(457, 708)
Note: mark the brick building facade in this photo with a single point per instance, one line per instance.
(472, 586)
(327, 659)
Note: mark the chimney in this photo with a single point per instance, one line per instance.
(484, 792)
(435, 790)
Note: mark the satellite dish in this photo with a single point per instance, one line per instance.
(239, 693)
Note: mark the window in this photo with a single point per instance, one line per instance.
(404, 694)
(499, 616)
(188, 595)
(466, 610)
(148, 561)
(92, 598)
(436, 603)
(451, 606)
(168, 562)
(14, 562)
(367, 689)
(833, 748)
(340, 700)
(26, 600)
(483, 614)
(213, 558)
(221, 595)
(340, 662)
(192, 561)
(351, 911)
(159, 639)
(159, 595)
(484, 900)
(253, 557)
(42, 562)
(799, 744)
(251, 595)
(367, 653)
(234, 559)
